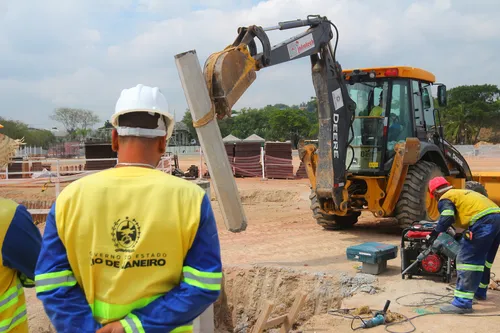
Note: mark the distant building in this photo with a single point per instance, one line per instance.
(181, 135)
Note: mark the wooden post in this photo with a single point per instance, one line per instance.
(199, 103)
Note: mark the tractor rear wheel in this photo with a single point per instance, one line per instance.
(476, 186)
(331, 222)
(415, 202)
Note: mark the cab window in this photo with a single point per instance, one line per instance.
(428, 107)
(400, 116)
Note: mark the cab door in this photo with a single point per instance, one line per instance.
(418, 110)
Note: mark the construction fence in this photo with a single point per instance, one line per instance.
(50, 175)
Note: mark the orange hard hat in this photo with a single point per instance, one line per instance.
(436, 183)
(1, 126)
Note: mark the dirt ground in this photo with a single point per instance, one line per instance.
(283, 251)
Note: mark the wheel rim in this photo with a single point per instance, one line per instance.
(431, 205)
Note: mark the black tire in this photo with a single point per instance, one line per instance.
(411, 206)
(476, 186)
(331, 222)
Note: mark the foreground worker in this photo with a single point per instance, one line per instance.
(480, 217)
(131, 248)
(20, 242)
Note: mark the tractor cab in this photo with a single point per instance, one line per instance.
(392, 104)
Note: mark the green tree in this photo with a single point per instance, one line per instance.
(32, 136)
(289, 124)
(470, 108)
(225, 125)
(251, 121)
(187, 119)
(77, 122)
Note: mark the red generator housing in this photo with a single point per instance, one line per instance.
(413, 242)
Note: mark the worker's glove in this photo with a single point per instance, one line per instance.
(432, 236)
(26, 281)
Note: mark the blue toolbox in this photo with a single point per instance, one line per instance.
(373, 255)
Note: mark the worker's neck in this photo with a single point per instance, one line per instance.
(137, 156)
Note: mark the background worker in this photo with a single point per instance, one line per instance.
(480, 217)
(131, 248)
(20, 243)
(378, 110)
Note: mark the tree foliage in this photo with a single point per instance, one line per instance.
(77, 122)
(278, 122)
(470, 109)
(32, 137)
(225, 125)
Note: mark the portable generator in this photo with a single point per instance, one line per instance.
(420, 258)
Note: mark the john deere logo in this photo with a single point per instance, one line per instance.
(125, 234)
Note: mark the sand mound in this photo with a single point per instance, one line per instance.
(262, 196)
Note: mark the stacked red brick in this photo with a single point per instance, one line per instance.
(278, 160)
(246, 162)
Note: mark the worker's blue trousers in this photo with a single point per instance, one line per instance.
(474, 260)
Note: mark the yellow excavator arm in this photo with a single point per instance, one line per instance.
(230, 72)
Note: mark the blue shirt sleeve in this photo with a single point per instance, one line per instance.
(22, 243)
(65, 305)
(199, 287)
(447, 212)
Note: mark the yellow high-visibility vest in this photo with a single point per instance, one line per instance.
(13, 318)
(470, 206)
(126, 232)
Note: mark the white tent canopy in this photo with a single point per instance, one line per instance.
(231, 139)
(254, 138)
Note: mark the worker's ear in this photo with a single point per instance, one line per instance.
(114, 140)
(162, 144)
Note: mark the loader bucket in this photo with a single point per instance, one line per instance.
(491, 182)
(228, 75)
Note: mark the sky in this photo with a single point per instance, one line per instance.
(82, 53)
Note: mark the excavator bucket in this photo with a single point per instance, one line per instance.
(228, 75)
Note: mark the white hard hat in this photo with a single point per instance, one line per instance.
(143, 98)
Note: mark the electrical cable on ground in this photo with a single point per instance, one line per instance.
(433, 299)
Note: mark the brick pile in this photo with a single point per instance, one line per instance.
(278, 160)
(246, 162)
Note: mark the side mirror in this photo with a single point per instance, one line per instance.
(442, 98)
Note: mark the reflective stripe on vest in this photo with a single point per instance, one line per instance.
(470, 206)
(183, 329)
(111, 312)
(470, 268)
(53, 280)
(132, 324)
(10, 297)
(204, 280)
(18, 317)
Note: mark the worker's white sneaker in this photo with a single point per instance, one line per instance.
(452, 309)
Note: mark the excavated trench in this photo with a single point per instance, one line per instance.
(246, 288)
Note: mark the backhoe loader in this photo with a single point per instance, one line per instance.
(380, 136)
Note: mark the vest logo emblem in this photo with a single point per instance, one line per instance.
(125, 234)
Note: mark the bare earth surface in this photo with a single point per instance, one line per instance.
(283, 251)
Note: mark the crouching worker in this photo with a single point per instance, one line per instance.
(480, 217)
(131, 248)
(20, 243)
